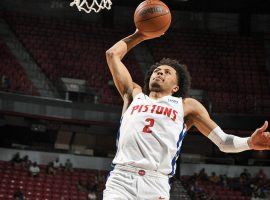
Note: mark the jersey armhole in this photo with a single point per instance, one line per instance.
(136, 96)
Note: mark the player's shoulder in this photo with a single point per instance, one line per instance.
(136, 90)
(190, 102)
(191, 106)
(128, 98)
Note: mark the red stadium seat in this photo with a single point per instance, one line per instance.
(76, 58)
(14, 72)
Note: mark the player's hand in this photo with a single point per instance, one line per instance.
(147, 37)
(260, 139)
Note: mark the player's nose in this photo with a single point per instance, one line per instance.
(160, 73)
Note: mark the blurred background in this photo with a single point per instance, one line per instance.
(60, 111)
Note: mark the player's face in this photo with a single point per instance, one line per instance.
(164, 79)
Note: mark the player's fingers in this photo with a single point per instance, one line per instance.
(268, 143)
(264, 127)
(267, 139)
(266, 134)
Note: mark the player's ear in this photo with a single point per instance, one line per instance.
(175, 89)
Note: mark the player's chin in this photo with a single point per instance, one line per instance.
(155, 86)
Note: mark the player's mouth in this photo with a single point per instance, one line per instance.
(158, 78)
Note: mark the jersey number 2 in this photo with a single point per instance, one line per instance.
(150, 122)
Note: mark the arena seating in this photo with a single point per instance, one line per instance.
(13, 71)
(71, 49)
(218, 191)
(63, 185)
(229, 67)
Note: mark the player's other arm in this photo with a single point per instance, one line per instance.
(121, 76)
(199, 117)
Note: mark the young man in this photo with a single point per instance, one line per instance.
(153, 127)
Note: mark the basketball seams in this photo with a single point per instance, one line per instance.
(151, 5)
(167, 24)
(143, 6)
(152, 18)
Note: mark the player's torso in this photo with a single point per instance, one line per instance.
(151, 133)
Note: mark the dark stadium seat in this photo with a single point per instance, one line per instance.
(46, 186)
(221, 64)
(13, 71)
(215, 190)
(69, 49)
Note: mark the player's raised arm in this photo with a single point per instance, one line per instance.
(114, 55)
(199, 117)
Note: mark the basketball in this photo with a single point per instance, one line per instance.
(152, 17)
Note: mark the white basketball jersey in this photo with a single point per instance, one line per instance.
(151, 134)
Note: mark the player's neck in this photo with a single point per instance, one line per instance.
(157, 95)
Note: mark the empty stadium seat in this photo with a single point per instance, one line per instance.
(13, 71)
(46, 186)
(71, 49)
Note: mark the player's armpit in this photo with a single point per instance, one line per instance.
(188, 122)
(136, 89)
(129, 98)
(198, 116)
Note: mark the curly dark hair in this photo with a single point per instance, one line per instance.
(183, 77)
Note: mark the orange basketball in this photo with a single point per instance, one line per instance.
(152, 17)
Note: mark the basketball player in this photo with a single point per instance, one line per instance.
(153, 127)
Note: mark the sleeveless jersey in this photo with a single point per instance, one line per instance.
(151, 134)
